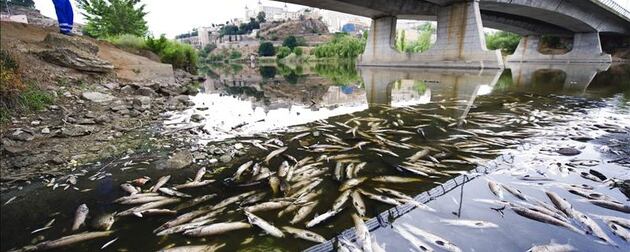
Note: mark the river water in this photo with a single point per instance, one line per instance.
(504, 126)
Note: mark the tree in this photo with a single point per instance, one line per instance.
(298, 51)
(290, 42)
(261, 17)
(506, 41)
(113, 17)
(266, 49)
(283, 52)
(402, 43)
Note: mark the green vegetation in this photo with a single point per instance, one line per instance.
(181, 56)
(555, 42)
(401, 41)
(15, 96)
(506, 41)
(283, 52)
(261, 17)
(266, 49)
(340, 73)
(290, 42)
(235, 54)
(267, 72)
(207, 50)
(113, 17)
(222, 56)
(298, 51)
(342, 46)
(422, 44)
(243, 28)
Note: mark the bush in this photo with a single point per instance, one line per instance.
(298, 51)
(266, 49)
(342, 46)
(283, 52)
(10, 81)
(127, 41)
(234, 54)
(290, 42)
(181, 56)
(506, 41)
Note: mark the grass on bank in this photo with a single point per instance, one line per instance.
(16, 96)
(181, 56)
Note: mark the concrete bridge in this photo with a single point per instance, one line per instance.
(460, 39)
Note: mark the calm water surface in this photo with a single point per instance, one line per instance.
(466, 119)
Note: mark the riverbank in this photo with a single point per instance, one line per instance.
(100, 102)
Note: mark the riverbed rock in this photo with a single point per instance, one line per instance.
(128, 89)
(76, 60)
(97, 97)
(569, 151)
(76, 130)
(110, 85)
(226, 158)
(45, 131)
(145, 91)
(21, 135)
(179, 160)
(196, 118)
(57, 40)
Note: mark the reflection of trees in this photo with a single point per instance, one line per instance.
(505, 82)
(290, 75)
(218, 69)
(247, 91)
(343, 73)
(267, 72)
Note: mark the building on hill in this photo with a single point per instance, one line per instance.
(200, 37)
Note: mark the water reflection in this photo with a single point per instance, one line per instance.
(239, 100)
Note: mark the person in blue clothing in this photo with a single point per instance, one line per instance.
(65, 16)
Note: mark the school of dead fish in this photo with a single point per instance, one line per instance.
(328, 152)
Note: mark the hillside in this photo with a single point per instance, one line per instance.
(280, 31)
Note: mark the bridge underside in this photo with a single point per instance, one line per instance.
(460, 39)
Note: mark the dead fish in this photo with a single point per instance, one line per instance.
(470, 223)
(514, 191)
(183, 227)
(363, 233)
(135, 196)
(543, 218)
(299, 136)
(420, 154)
(103, 222)
(150, 205)
(322, 217)
(495, 189)
(69, 240)
(160, 183)
(141, 181)
(171, 192)
(560, 203)
(358, 203)
(552, 247)
(592, 227)
(381, 198)
(193, 184)
(395, 179)
(619, 231)
(154, 212)
(141, 200)
(266, 206)
(358, 168)
(195, 248)
(617, 220)
(10, 200)
(200, 173)
(350, 183)
(264, 225)
(109, 243)
(350, 170)
(79, 216)
(274, 183)
(47, 226)
(232, 199)
(341, 199)
(304, 234)
(433, 239)
(217, 228)
(344, 245)
(275, 153)
(417, 243)
(241, 169)
(284, 169)
(339, 171)
(181, 219)
(611, 205)
(129, 188)
(303, 212)
(383, 151)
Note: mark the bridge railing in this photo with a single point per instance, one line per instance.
(615, 7)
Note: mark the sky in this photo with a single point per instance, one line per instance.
(172, 17)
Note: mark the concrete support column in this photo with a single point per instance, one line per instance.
(586, 49)
(460, 42)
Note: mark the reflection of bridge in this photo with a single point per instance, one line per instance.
(456, 84)
(577, 76)
(460, 40)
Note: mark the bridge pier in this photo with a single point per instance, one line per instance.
(460, 42)
(587, 48)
